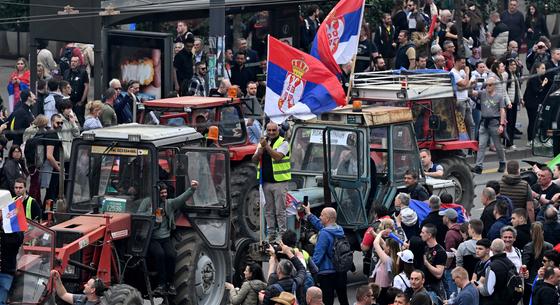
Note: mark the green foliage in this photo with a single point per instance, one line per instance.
(375, 9)
(553, 6)
(14, 11)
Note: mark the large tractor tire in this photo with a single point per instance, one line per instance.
(200, 272)
(245, 200)
(122, 294)
(241, 259)
(458, 170)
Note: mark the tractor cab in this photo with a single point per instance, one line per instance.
(113, 197)
(360, 156)
(437, 125)
(202, 112)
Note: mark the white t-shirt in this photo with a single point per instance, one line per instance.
(401, 281)
(515, 257)
(459, 76)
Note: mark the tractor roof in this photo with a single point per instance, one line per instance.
(157, 134)
(392, 85)
(190, 102)
(369, 116)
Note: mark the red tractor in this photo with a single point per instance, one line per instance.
(113, 198)
(431, 98)
(229, 115)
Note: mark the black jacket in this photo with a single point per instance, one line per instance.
(9, 247)
(545, 294)
(500, 264)
(437, 220)
(418, 192)
(384, 40)
(552, 232)
(487, 217)
(23, 118)
(523, 236)
(286, 283)
(11, 171)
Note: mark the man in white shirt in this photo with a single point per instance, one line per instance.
(461, 74)
(508, 235)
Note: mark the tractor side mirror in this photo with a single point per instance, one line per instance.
(434, 122)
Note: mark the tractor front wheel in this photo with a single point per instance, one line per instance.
(200, 272)
(457, 170)
(122, 294)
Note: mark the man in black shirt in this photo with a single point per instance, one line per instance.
(544, 189)
(416, 191)
(240, 74)
(488, 200)
(546, 292)
(309, 27)
(79, 80)
(23, 116)
(366, 52)
(435, 259)
(483, 254)
(515, 21)
(183, 34)
(53, 146)
(420, 296)
(183, 65)
(436, 219)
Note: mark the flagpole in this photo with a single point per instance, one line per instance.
(351, 78)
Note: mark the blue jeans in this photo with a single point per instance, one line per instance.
(450, 285)
(5, 284)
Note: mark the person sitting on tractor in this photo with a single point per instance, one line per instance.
(161, 248)
(430, 168)
(93, 290)
(415, 190)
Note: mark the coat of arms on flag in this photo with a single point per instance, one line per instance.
(293, 85)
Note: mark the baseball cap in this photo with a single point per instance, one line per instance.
(406, 256)
(449, 213)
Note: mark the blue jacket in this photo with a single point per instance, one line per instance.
(494, 231)
(325, 243)
(123, 108)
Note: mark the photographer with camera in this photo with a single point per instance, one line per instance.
(280, 272)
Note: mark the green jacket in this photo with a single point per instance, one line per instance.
(163, 229)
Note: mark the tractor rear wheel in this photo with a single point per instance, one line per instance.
(200, 272)
(457, 169)
(122, 294)
(245, 200)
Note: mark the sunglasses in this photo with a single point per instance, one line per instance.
(203, 68)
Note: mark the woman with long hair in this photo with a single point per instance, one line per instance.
(93, 111)
(19, 81)
(405, 268)
(513, 89)
(533, 252)
(534, 96)
(14, 168)
(535, 25)
(248, 294)
(386, 267)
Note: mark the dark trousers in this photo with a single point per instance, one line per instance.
(164, 254)
(52, 190)
(511, 116)
(532, 115)
(331, 282)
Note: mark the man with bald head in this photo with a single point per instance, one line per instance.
(329, 279)
(314, 296)
(273, 166)
(494, 283)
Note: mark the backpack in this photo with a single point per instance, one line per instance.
(64, 63)
(343, 256)
(34, 151)
(408, 291)
(294, 291)
(515, 285)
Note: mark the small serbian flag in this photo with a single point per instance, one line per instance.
(13, 213)
(337, 38)
(298, 84)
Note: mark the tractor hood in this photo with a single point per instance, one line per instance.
(119, 224)
(314, 194)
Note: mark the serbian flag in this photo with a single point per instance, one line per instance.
(13, 213)
(298, 84)
(336, 41)
(422, 210)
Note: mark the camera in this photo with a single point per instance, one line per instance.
(265, 245)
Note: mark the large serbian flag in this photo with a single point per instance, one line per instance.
(337, 38)
(13, 213)
(298, 84)
(422, 210)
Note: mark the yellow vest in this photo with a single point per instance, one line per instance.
(281, 169)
